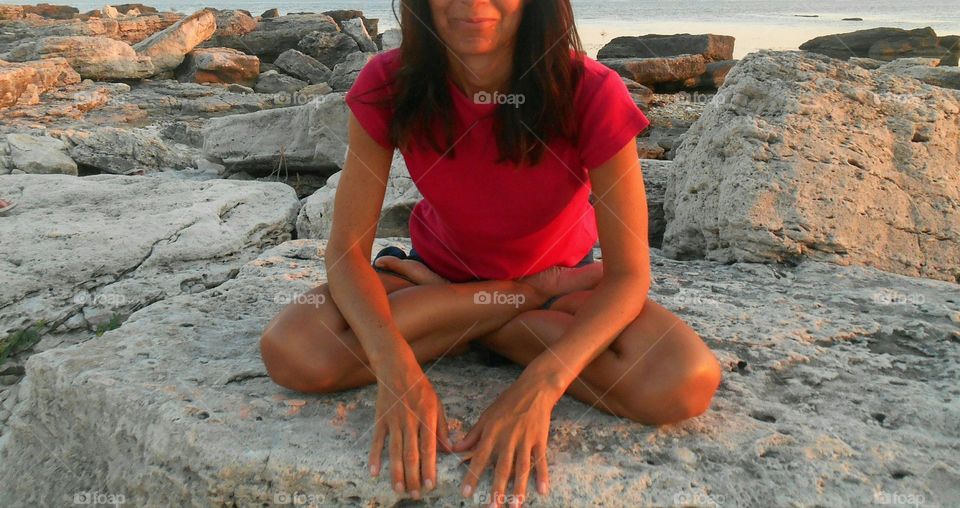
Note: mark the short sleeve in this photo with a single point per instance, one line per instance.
(608, 119)
(369, 100)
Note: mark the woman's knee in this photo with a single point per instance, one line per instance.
(292, 365)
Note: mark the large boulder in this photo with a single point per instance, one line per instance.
(78, 251)
(124, 151)
(356, 30)
(273, 36)
(654, 71)
(310, 138)
(97, 58)
(927, 70)
(22, 83)
(129, 29)
(887, 44)
(834, 390)
(274, 82)
(168, 47)
(316, 215)
(303, 66)
(38, 154)
(712, 47)
(803, 156)
(329, 48)
(219, 65)
(345, 73)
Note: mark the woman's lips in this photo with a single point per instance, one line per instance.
(475, 23)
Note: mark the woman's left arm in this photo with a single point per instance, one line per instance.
(517, 424)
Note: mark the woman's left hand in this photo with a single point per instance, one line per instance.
(514, 428)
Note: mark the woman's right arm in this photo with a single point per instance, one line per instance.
(408, 410)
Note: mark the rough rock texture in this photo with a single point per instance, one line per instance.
(927, 70)
(651, 71)
(167, 48)
(129, 29)
(345, 73)
(354, 28)
(24, 82)
(78, 250)
(303, 67)
(98, 58)
(274, 82)
(38, 154)
(219, 65)
(329, 48)
(316, 216)
(273, 36)
(885, 43)
(655, 176)
(124, 151)
(311, 138)
(839, 390)
(802, 156)
(233, 22)
(712, 47)
(391, 39)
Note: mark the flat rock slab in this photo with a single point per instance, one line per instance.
(77, 251)
(840, 387)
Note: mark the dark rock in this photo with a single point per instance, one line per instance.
(51, 11)
(274, 82)
(341, 15)
(303, 67)
(276, 35)
(270, 13)
(329, 48)
(651, 71)
(712, 47)
(884, 43)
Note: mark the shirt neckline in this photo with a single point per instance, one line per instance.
(457, 92)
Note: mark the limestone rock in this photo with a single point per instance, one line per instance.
(10, 12)
(345, 73)
(219, 65)
(24, 82)
(329, 48)
(926, 70)
(78, 250)
(391, 39)
(316, 216)
(124, 151)
(651, 71)
(98, 58)
(711, 47)
(342, 15)
(355, 29)
(311, 138)
(168, 47)
(274, 82)
(885, 43)
(273, 36)
(39, 155)
(802, 156)
(833, 395)
(303, 67)
(233, 22)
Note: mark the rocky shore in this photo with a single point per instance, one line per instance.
(174, 178)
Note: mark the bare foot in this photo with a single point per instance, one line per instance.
(415, 270)
(6, 205)
(561, 280)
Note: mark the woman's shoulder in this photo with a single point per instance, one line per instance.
(595, 76)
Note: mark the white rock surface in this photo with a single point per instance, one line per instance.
(79, 250)
(168, 47)
(310, 138)
(39, 154)
(98, 58)
(316, 217)
(840, 389)
(803, 156)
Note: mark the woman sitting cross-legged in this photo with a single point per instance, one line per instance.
(506, 128)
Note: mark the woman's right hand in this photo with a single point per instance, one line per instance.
(409, 414)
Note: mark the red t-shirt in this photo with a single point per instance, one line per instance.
(483, 220)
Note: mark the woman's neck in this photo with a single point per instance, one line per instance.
(489, 72)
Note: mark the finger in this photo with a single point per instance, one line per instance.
(428, 454)
(501, 474)
(477, 464)
(411, 456)
(522, 470)
(443, 432)
(471, 438)
(396, 459)
(540, 459)
(376, 449)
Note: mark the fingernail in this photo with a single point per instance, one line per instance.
(467, 490)
(398, 487)
(415, 494)
(542, 488)
(374, 470)
(428, 483)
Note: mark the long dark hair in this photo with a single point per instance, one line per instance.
(544, 73)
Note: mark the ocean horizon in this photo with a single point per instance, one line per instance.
(756, 24)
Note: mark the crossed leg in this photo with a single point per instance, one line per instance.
(656, 371)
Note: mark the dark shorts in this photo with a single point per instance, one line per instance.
(398, 252)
